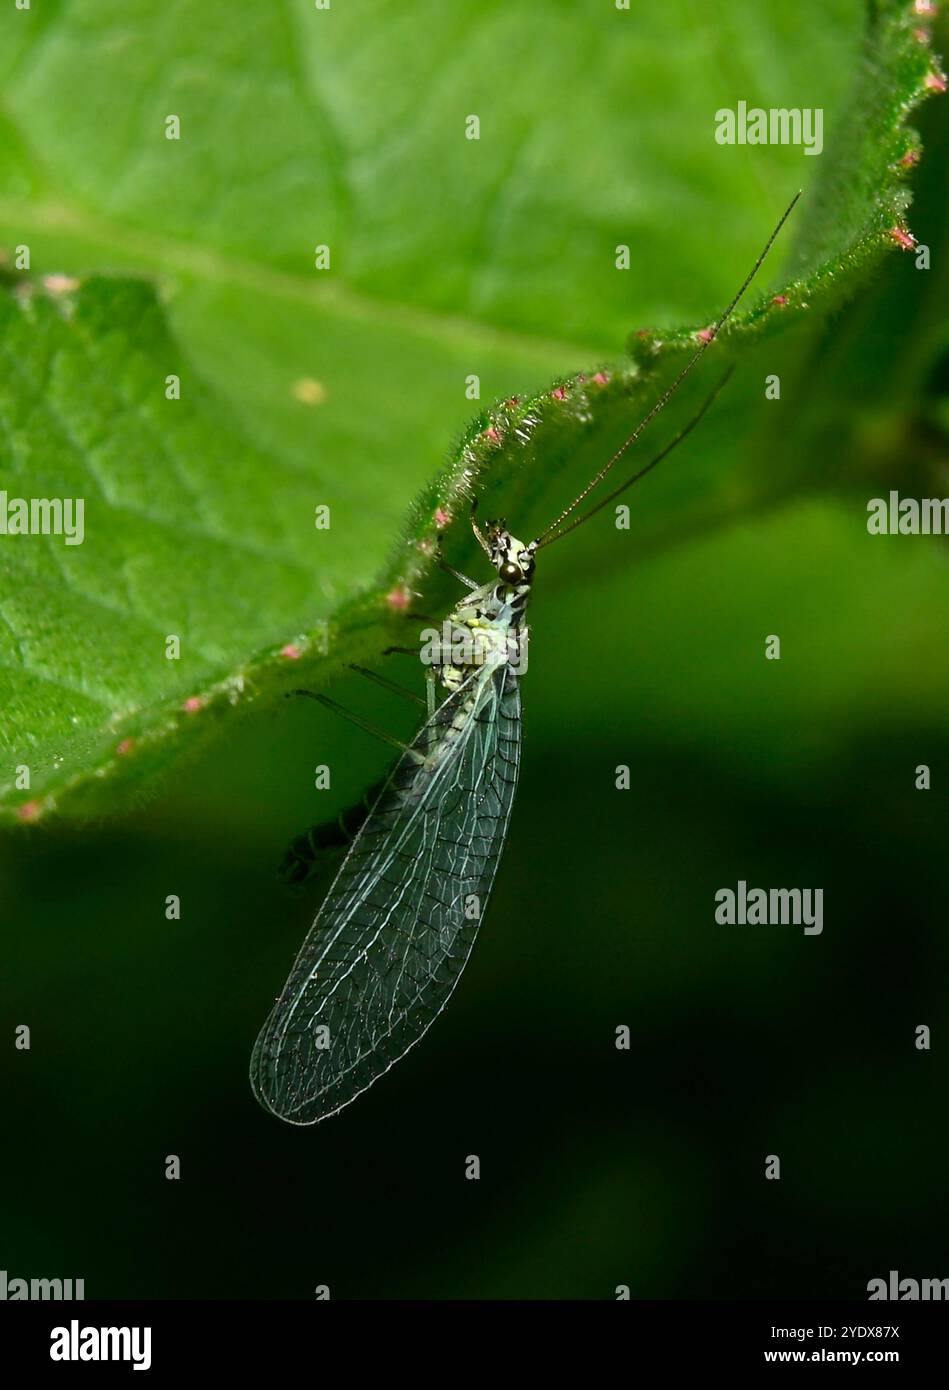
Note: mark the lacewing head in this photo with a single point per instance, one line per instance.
(513, 560)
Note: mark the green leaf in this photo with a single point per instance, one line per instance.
(450, 257)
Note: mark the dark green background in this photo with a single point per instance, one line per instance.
(599, 1167)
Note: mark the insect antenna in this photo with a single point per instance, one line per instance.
(708, 339)
(685, 430)
(479, 534)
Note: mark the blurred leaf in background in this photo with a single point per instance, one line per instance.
(494, 257)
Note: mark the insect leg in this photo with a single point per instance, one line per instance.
(358, 720)
(431, 684)
(319, 846)
(389, 685)
(457, 574)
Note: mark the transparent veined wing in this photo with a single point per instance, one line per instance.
(398, 923)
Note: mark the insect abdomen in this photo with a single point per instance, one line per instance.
(308, 853)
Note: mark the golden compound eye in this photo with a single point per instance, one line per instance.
(510, 573)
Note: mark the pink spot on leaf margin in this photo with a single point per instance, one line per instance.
(903, 238)
(399, 598)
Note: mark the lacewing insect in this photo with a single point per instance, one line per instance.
(398, 923)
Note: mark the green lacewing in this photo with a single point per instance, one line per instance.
(398, 923)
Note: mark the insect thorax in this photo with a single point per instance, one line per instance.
(487, 628)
